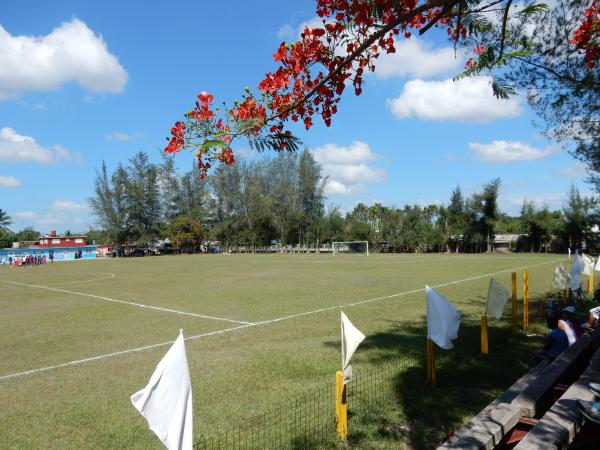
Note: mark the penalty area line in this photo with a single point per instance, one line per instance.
(124, 302)
(255, 324)
(110, 355)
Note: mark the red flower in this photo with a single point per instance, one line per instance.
(205, 98)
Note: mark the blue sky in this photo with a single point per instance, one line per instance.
(82, 82)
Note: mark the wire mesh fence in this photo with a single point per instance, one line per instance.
(308, 422)
(291, 425)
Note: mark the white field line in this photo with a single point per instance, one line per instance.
(108, 276)
(265, 322)
(114, 300)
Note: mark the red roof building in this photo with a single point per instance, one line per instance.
(52, 240)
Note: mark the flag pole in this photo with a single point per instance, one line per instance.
(341, 406)
(430, 362)
(484, 335)
(514, 302)
(525, 300)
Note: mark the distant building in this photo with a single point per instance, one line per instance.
(52, 240)
(104, 250)
(60, 248)
(505, 243)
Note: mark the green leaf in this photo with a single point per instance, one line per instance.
(518, 54)
(214, 143)
(535, 8)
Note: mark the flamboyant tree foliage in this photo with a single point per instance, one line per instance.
(313, 73)
(587, 36)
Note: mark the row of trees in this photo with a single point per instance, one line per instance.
(280, 201)
(469, 224)
(251, 203)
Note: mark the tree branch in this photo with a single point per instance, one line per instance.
(348, 59)
(441, 14)
(556, 74)
(504, 21)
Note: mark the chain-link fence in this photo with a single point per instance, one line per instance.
(294, 424)
(308, 422)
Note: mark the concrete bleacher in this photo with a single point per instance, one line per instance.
(530, 397)
(560, 424)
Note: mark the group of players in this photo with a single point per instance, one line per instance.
(24, 260)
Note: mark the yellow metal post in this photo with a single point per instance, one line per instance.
(428, 359)
(341, 406)
(484, 335)
(591, 283)
(525, 300)
(514, 302)
(430, 362)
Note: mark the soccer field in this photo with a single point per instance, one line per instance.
(78, 338)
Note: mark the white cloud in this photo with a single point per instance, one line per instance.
(25, 215)
(19, 148)
(512, 204)
(465, 100)
(9, 181)
(286, 32)
(509, 151)
(417, 58)
(117, 136)
(68, 205)
(577, 169)
(49, 219)
(71, 52)
(333, 153)
(347, 168)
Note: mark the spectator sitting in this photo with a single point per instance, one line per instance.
(556, 341)
(569, 313)
(593, 319)
(566, 326)
(591, 409)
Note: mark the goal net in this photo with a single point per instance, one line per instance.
(351, 247)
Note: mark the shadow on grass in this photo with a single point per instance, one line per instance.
(421, 416)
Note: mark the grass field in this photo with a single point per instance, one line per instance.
(78, 338)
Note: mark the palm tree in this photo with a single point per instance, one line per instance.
(5, 220)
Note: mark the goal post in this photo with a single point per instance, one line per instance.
(351, 247)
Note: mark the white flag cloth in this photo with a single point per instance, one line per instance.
(597, 267)
(443, 319)
(166, 402)
(351, 338)
(496, 299)
(561, 277)
(588, 264)
(576, 270)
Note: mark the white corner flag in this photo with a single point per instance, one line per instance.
(597, 266)
(576, 270)
(561, 277)
(166, 402)
(351, 338)
(443, 319)
(496, 299)
(588, 264)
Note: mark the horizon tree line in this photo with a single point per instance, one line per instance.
(280, 201)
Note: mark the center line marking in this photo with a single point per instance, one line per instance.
(139, 305)
(249, 325)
